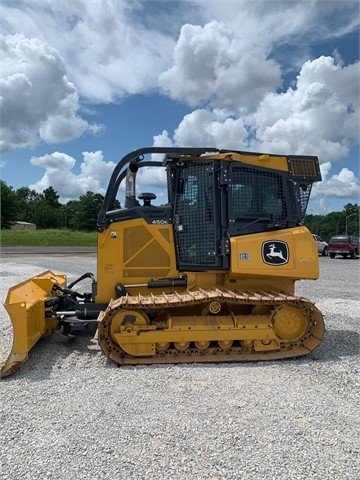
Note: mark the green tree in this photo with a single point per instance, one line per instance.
(88, 211)
(335, 223)
(9, 206)
(352, 214)
(51, 197)
(43, 209)
(82, 214)
(70, 213)
(46, 216)
(26, 199)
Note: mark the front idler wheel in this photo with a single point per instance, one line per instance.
(290, 323)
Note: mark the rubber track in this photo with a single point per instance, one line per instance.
(305, 345)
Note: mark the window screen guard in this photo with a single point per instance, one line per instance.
(196, 216)
(256, 198)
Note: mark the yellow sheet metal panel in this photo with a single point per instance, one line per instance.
(280, 253)
(133, 252)
(277, 162)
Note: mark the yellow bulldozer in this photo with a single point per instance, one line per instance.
(208, 276)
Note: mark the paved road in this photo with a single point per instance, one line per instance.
(46, 250)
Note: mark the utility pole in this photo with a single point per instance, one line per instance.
(346, 221)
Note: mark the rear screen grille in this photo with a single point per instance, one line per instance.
(304, 167)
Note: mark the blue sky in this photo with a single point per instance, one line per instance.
(82, 83)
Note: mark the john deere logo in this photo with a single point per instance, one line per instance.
(275, 252)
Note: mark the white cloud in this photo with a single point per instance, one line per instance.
(212, 65)
(153, 179)
(295, 23)
(325, 169)
(112, 48)
(37, 101)
(204, 128)
(320, 115)
(94, 167)
(162, 140)
(108, 50)
(94, 174)
(343, 185)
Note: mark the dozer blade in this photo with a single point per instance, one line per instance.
(25, 303)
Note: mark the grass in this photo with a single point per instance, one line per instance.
(51, 238)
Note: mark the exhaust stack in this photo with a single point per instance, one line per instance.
(130, 195)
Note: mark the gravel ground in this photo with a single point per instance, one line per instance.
(70, 413)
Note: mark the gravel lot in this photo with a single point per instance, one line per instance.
(69, 413)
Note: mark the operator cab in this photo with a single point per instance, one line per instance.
(214, 195)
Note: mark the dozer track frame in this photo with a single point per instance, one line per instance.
(254, 326)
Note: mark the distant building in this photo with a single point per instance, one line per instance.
(23, 226)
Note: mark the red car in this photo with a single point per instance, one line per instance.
(344, 245)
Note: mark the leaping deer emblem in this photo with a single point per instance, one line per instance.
(273, 254)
